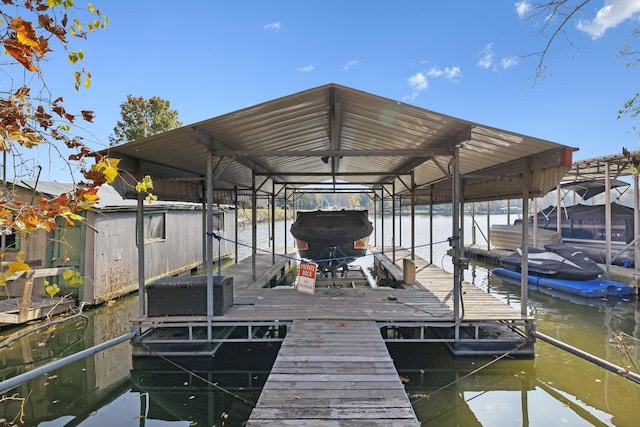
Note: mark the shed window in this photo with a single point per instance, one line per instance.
(218, 221)
(154, 227)
(8, 238)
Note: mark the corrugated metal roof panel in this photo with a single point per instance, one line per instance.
(330, 132)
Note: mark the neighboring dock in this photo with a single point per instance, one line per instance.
(331, 372)
(630, 276)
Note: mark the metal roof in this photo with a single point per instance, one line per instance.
(337, 134)
(108, 197)
(595, 169)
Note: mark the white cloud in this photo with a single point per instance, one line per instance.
(486, 56)
(418, 82)
(449, 73)
(306, 69)
(488, 59)
(509, 62)
(610, 15)
(273, 27)
(523, 8)
(350, 64)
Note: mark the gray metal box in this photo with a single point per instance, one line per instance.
(187, 296)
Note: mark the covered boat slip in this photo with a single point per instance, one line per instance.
(606, 230)
(332, 138)
(337, 139)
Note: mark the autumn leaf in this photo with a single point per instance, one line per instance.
(73, 277)
(17, 265)
(20, 53)
(144, 185)
(26, 34)
(108, 168)
(52, 290)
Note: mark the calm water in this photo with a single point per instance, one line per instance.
(552, 389)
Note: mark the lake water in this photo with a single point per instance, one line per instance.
(553, 389)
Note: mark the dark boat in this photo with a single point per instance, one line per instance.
(332, 239)
(557, 260)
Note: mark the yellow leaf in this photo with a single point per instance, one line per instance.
(52, 290)
(110, 174)
(26, 34)
(73, 277)
(17, 265)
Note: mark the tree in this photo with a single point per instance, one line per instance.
(31, 116)
(557, 15)
(143, 117)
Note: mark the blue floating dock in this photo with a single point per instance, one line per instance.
(594, 288)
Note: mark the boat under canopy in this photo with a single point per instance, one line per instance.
(584, 226)
(332, 239)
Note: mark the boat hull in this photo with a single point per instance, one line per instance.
(556, 260)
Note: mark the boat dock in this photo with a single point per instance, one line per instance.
(330, 371)
(333, 363)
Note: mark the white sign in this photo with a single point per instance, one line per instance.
(307, 277)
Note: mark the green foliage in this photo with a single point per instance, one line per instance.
(143, 117)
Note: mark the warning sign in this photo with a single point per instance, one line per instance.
(307, 277)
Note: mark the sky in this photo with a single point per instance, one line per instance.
(471, 59)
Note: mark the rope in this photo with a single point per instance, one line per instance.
(475, 371)
(206, 381)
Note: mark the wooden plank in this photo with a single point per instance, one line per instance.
(38, 272)
(334, 423)
(25, 298)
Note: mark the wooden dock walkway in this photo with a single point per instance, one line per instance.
(267, 267)
(478, 304)
(333, 373)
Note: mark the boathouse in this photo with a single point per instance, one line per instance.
(103, 247)
(333, 341)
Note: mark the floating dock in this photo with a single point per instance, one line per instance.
(411, 313)
(333, 365)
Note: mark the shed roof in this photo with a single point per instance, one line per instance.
(337, 134)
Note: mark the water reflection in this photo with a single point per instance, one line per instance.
(68, 395)
(207, 391)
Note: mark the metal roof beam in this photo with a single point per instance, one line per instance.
(426, 153)
(390, 175)
(217, 147)
(334, 129)
(457, 139)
